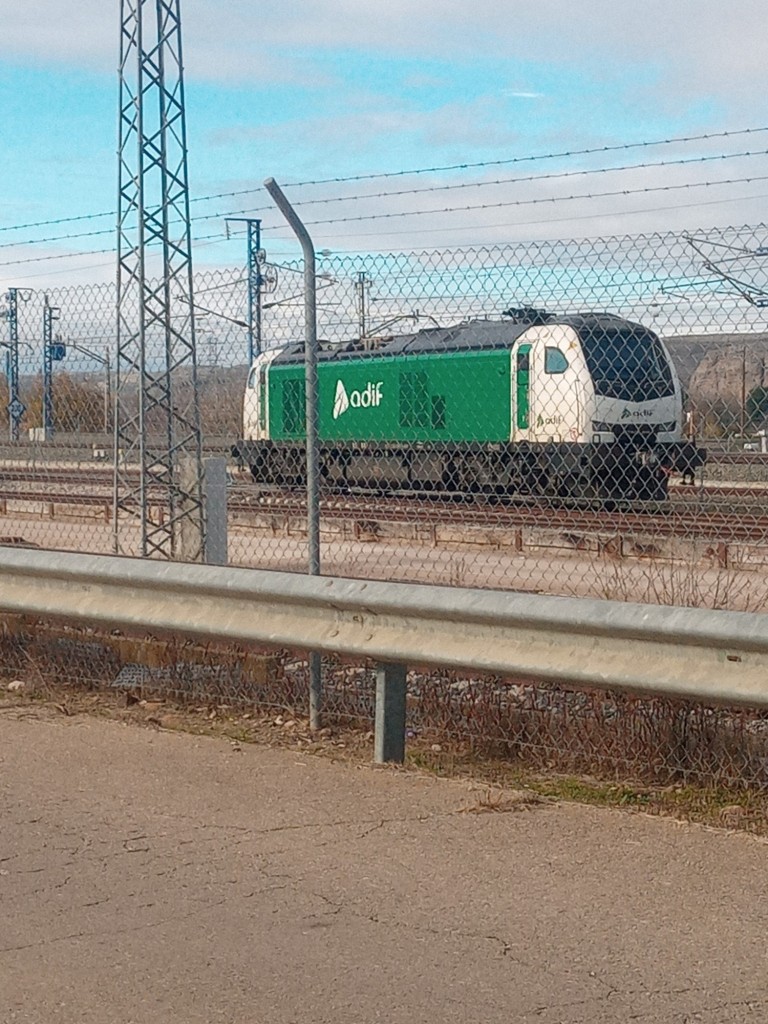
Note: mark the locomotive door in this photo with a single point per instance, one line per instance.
(523, 387)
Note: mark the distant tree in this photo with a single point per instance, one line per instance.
(221, 404)
(757, 406)
(78, 404)
(720, 419)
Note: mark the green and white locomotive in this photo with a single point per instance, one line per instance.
(584, 406)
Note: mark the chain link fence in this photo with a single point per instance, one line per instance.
(672, 756)
(576, 417)
(573, 418)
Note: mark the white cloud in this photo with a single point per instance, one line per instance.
(697, 46)
(688, 52)
(636, 200)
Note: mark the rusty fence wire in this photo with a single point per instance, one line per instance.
(454, 719)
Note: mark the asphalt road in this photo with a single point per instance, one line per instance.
(160, 878)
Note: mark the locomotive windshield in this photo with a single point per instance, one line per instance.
(627, 364)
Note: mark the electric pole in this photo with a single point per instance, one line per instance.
(255, 281)
(16, 407)
(361, 291)
(158, 443)
(51, 352)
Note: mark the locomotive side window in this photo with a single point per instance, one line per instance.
(554, 361)
(438, 412)
(252, 377)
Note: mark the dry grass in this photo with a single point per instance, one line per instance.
(684, 584)
(662, 757)
(504, 787)
(498, 801)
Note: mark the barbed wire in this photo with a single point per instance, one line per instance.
(684, 161)
(549, 220)
(510, 161)
(278, 228)
(528, 202)
(520, 179)
(532, 157)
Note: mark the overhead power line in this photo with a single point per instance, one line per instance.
(520, 179)
(439, 169)
(277, 228)
(220, 237)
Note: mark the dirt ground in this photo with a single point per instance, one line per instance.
(154, 876)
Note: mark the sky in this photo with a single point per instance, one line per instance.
(326, 89)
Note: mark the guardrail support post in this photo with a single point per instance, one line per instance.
(389, 731)
(215, 504)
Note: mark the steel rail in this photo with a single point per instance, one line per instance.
(709, 656)
(745, 524)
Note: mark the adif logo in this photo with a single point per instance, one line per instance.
(636, 414)
(341, 401)
(371, 395)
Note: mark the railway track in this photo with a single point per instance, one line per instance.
(87, 473)
(676, 521)
(682, 518)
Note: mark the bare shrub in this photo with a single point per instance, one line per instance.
(684, 584)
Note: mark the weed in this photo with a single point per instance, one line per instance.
(494, 801)
(683, 584)
(614, 749)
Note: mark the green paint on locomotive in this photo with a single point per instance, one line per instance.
(454, 397)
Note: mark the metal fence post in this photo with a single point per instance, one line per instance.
(310, 379)
(389, 730)
(188, 515)
(215, 506)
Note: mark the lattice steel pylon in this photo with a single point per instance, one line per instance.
(158, 447)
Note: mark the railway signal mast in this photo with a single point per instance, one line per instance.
(158, 444)
(53, 351)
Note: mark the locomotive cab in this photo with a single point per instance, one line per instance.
(635, 415)
(601, 397)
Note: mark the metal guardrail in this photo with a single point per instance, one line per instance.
(710, 656)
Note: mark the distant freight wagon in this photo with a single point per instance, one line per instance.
(584, 406)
